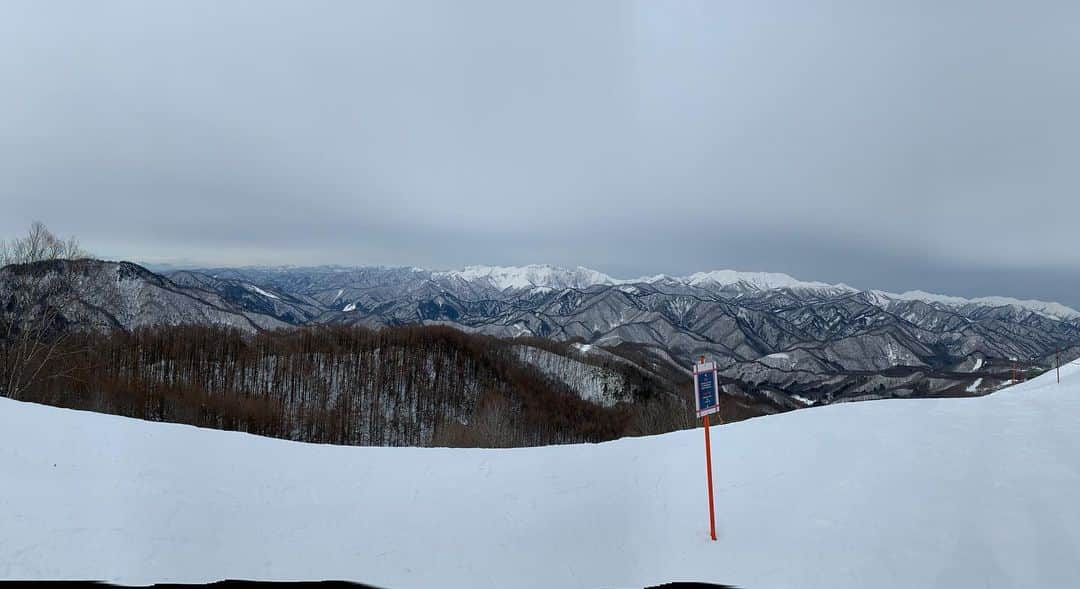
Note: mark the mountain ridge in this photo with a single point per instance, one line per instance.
(539, 276)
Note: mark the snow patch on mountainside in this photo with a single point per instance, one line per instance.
(262, 292)
(591, 383)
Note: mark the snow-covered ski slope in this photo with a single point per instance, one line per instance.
(955, 493)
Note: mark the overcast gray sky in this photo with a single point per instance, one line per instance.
(894, 145)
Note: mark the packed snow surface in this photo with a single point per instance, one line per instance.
(977, 492)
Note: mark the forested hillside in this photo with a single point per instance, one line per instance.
(348, 385)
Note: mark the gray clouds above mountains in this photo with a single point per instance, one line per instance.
(891, 145)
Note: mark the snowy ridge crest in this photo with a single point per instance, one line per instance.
(531, 276)
(547, 276)
(1047, 309)
(759, 280)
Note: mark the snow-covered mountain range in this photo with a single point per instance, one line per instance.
(544, 276)
(807, 342)
(770, 331)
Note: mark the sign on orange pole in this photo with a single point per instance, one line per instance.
(706, 400)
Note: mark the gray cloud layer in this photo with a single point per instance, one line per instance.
(893, 145)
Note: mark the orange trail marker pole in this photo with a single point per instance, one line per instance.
(706, 391)
(708, 477)
(1057, 357)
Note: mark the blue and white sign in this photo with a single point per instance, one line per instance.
(705, 389)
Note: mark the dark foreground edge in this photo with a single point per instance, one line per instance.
(219, 584)
(285, 584)
(691, 586)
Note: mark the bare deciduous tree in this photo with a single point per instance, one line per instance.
(36, 279)
(39, 245)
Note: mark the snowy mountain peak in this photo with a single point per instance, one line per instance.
(759, 280)
(531, 276)
(548, 276)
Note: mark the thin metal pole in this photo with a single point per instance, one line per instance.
(1057, 356)
(708, 477)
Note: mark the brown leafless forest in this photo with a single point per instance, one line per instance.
(342, 385)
